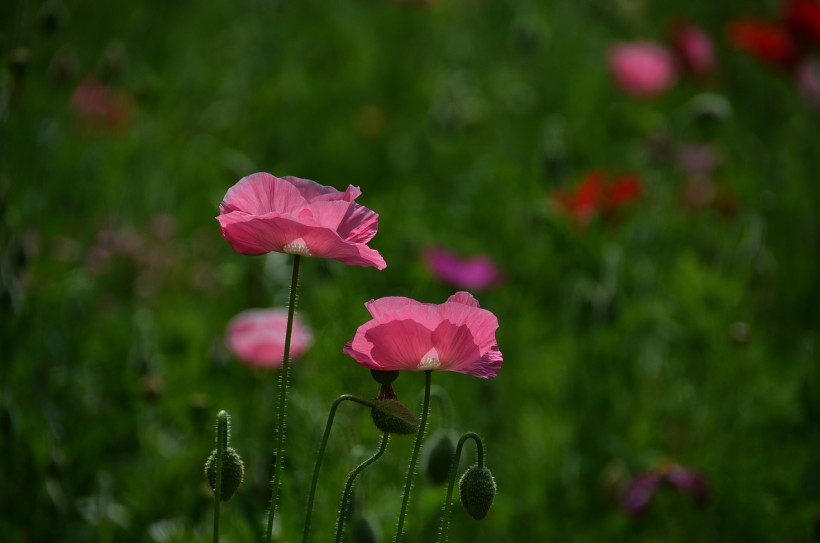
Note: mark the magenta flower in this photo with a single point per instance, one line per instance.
(257, 337)
(637, 496)
(694, 48)
(408, 335)
(476, 273)
(642, 69)
(263, 214)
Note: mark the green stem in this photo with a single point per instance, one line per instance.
(284, 377)
(320, 455)
(221, 446)
(349, 485)
(411, 471)
(445, 516)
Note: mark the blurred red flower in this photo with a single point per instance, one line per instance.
(803, 20)
(100, 108)
(598, 193)
(768, 42)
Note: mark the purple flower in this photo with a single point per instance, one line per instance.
(639, 493)
(688, 482)
(475, 274)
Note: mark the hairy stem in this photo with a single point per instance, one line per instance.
(284, 377)
(320, 456)
(445, 516)
(411, 471)
(349, 485)
(221, 446)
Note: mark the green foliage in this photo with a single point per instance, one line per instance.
(672, 332)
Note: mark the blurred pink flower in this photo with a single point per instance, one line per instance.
(101, 108)
(640, 491)
(476, 273)
(263, 214)
(257, 337)
(807, 79)
(408, 335)
(642, 69)
(694, 49)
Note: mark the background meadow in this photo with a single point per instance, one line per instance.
(679, 328)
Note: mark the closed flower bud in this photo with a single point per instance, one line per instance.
(477, 489)
(438, 456)
(384, 377)
(394, 417)
(233, 471)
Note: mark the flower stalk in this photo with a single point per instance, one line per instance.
(320, 456)
(411, 471)
(445, 516)
(349, 485)
(284, 378)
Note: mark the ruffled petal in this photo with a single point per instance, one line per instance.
(313, 191)
(359, 224)
(384, 308)
(261, 193)
(487, 367)
(464, 298)
(326, 243)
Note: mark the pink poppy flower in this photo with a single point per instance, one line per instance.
(263, 214)
(257, 337)
(408, 335)
(476, 274)
(694, 48)
(642, 69)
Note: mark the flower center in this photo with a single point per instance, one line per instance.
(427, 363)
(297, 247)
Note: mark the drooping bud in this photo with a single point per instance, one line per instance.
(233, 471)
(438, 456)
(392, 416)
(477, 489)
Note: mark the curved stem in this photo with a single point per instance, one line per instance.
(445, 516)
(443, 399)
(221, 446)
(411, 471)
(320, 455)
(284, 377)
(349, 485)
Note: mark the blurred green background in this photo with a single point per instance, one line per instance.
(679, 333)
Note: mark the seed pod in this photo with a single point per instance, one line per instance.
(394, 417)
(477, 489)
(233, 471)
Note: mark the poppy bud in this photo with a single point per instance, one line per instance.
(384, 377)
(233, 471)
(394, 417)
(438, 456)
(477, 490)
